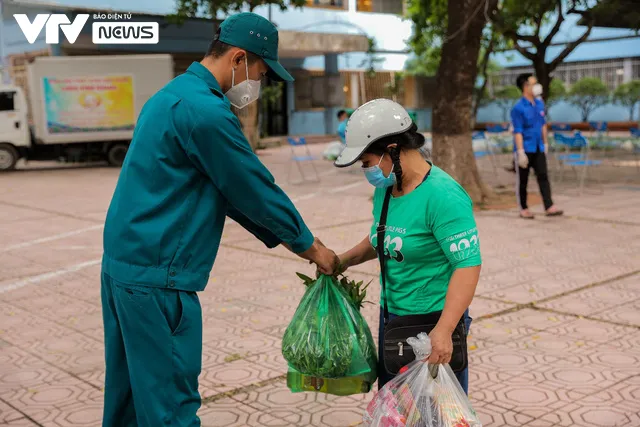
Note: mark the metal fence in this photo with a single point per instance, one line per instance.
(613, 72)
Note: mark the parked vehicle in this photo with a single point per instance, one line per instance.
(78, 108)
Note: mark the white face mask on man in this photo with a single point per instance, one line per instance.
(243, 93)
(536, 89)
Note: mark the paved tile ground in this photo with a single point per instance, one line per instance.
(555, 339)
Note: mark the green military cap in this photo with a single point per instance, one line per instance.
(255, 34)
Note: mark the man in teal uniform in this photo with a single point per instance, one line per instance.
(188, 167)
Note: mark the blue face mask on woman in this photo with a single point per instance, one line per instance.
(376, 177)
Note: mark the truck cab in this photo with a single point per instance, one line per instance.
(15, 137)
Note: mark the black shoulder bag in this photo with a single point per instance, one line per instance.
(397, 353)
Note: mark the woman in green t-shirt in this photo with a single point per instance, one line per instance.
(431, 240)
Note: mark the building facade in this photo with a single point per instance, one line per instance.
(610, 54)
(324, 45)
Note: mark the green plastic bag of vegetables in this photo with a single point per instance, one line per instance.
(328, 337)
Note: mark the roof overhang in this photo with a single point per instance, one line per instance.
(295, 44)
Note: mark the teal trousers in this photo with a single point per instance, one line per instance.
(153, 354)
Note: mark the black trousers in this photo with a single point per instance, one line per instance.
(537, 161)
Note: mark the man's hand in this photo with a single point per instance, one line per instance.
(523, 160)
(546, 148)
(326, 259)
(441, 346)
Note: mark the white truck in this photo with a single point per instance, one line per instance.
(83, 108)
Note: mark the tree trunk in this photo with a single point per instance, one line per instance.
(542, 74)
(455, 81)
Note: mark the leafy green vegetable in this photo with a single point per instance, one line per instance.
(328, 337)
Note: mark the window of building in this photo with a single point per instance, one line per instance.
(7, 102)
(381, 6)
(327, 4)
(311, 89)
(364, 6)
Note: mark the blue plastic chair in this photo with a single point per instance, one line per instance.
(487, 152)
(478, 135)
(599, 126)
(496, 135)
(559, 128)
(602, 129)
(296, 158)
(576, 160)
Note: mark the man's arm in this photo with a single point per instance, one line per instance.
(545, 137)
(517, 122)
(219, 148)
(517, 119)
(263, 234)
(270, 240)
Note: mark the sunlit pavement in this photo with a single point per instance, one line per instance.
(555, 339)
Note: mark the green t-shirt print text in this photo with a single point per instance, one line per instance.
(430, 232)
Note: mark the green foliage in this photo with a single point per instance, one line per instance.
(371, 60)
(328, 337)
(505, 98)
(210, 8)
(270, 95)
(424, 65)
(429, 19)
(483, 97)
(588, 94)
(394, 86)
(356, 291)
(557, 91)
(532, 26)
(628, 95)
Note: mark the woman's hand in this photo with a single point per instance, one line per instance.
(345, 263)
(441, 346)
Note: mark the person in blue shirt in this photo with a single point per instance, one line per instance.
(530, 145)
(342, 125)
(188, 167)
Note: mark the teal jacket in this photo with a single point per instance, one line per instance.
(188, 167)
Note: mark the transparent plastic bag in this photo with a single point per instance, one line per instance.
(333, 151)
(328, 337)
(415, 398)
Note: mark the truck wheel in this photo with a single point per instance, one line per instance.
(117, 153)
(8, 157)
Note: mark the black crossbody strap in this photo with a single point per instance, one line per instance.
(382, 227)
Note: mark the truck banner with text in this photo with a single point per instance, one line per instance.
(89, 104)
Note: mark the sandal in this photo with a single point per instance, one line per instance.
(554, 213)
(529, 215)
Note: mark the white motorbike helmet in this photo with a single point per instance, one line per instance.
(370, 122)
